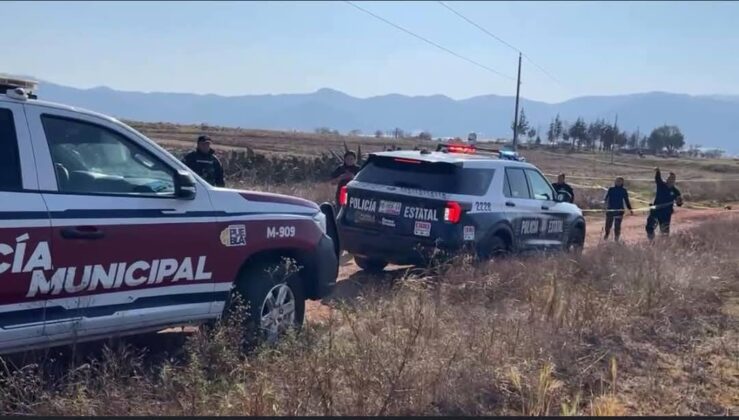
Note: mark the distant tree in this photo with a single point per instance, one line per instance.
(578, 133)
(323, 130)
(398, 133)
(523, 124)
(551, 132)
(532, 133)
(355, 132)
(424, 135)
(558, 128)
(633, 141)
(644, 142)
(666, 137)
(378, 134)
(538, 140)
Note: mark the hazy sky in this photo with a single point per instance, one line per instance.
(232, 48)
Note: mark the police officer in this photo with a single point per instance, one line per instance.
(561, 186)
(203, 161)
(615, 198)
(345, 173)
(667, 195)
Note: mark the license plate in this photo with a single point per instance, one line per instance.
(390, 207)
(362, 217)
(422, 229)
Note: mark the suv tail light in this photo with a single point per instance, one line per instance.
(452, 212)
(343, 196)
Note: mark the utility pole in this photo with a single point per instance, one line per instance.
(515, 115)
(613, 139)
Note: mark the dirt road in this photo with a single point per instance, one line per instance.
(352, 280)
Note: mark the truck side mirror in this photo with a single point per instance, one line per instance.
(185, 186)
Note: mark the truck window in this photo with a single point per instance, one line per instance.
(89, 158)
(539, 186)
(428, 176)
(10, 164)
(518, 187)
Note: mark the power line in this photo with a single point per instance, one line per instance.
(497, 38)
(447, 50)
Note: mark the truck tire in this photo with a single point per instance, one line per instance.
(495, 247)
(370, 265)
(575, 241)
(274, 300)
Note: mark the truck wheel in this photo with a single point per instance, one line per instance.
(370, 265)
(495, 247)
(576, 242)
(274, 299)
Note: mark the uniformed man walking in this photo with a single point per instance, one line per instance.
(615, 198)
(665, 198)
(203, 161)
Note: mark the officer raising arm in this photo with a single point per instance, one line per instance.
(203, 161)
(667, 195)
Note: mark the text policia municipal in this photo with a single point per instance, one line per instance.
(91, 277)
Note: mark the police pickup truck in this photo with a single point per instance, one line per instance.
(403, 206)
(104, 233)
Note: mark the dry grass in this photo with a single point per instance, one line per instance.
(620, 330)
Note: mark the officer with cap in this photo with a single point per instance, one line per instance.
(203, 161)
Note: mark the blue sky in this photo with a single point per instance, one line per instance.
(230, 48)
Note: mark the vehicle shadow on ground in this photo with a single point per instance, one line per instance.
(360, 283)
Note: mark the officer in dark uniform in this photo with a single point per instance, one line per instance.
(615, 198)
(345, 173)
(667, 195)
(203, 161)
(562, 187)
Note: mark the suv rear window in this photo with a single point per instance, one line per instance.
(10, 166)
(430, 176)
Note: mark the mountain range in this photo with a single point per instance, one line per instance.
(706, 120)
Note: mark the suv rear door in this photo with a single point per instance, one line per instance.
(24, 234)
(137, 256)
(411, 197)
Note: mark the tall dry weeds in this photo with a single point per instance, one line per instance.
(607, 333)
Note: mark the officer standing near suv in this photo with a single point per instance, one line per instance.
(203, 161)
(562, 187)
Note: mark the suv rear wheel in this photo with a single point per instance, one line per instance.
(494, 247)
(275, 301)
(370, 265)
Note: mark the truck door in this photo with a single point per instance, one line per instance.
(551, 230)
(24, 235)
(136, 255)
(521, 209)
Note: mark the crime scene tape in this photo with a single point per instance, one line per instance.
(646, 179)
(598, 160)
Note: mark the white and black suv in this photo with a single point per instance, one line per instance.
(104, 233)
(404, 206)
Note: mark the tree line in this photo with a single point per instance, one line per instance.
(602, 135)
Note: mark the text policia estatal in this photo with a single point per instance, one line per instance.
(91, 277)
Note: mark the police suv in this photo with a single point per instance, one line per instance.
(104, 233)
(404, 206)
